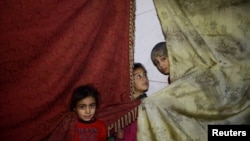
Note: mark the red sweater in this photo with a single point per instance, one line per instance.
(94, 131)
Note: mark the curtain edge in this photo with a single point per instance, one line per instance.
(131, 115)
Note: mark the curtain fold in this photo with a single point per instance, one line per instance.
(209, 54)
(50, 47)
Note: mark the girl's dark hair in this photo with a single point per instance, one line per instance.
(139, 65)
(82, 92)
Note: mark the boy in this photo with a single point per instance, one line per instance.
(159, 57)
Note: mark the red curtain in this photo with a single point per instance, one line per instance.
(49, 47)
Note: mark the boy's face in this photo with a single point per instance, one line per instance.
(162, 64)
(140, 80)
(85, 108)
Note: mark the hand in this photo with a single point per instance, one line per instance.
(120, 134)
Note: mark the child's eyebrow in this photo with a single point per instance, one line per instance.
(140, 72)
(87, 104)
(137, 73)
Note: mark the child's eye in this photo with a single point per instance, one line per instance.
(156, 62)
(83, 107)
(138, 76)
(92, 106)
(163, 58)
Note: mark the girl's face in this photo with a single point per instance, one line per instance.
(162, 64)
(85, 108)
(140, 81)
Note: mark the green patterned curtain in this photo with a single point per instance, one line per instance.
(209, 53)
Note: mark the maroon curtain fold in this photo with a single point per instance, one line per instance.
(49, 47)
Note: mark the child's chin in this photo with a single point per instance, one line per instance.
(164, 73)
(87, 119)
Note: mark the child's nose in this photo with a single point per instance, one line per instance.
(88, 109)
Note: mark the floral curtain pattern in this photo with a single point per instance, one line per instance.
(209, 53)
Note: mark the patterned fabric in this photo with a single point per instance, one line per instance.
(209, 54)
(130, 130)
(49, 47)
(95, 131)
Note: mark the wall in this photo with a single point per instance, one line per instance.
(147, 33)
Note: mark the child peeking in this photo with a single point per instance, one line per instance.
(159, 57)
(141, 85)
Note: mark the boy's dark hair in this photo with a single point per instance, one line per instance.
(159, 49)
(139, 65)
(82, 92)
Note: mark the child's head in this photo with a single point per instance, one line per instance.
(84, 102)
(140, 78)
(159, 57)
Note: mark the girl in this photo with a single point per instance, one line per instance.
(84, 102)
(140, 87)
(140, 81)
